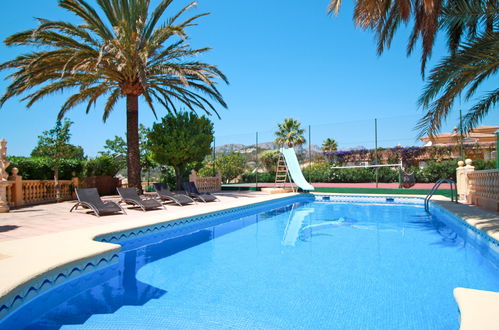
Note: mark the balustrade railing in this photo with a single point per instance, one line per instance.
(40, 191)
(484, 189)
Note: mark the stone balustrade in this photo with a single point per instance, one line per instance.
(206, 184)
(484, 189)
(30, 192)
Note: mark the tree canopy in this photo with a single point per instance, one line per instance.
(55, 144)
(180, 139)
(230, 165)
(117, 149)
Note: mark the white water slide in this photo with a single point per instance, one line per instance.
(294, 169)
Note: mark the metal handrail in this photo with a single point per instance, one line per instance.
(437, 184)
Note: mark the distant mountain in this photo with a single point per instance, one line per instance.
(226, 148)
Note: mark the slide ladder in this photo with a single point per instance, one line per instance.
(281, 174)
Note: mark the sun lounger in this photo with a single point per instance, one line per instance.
(89, 198)
(166, 195)
(192, 190)
(130, 196)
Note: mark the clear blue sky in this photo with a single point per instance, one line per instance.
(283, 59)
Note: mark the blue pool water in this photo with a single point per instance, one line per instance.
(309, 265)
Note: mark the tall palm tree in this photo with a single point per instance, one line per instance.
(290, 133)
(329, 145)
(122, 53)
(471, 27)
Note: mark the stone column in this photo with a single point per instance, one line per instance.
(17, 189)
(463, 183)
(467, 169)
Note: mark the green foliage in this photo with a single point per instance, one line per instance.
(289, 133)
(318, 172)
(38, 168)
(329, 145)
(179, 140)
(117, 149)
(102, 165)
(481, 164)
(230, 165)
(168, 176)
(322, 172)
(69, 152)
(250, 177)
(54, 143)
(435, 170)
(269, 159)
(206, 170)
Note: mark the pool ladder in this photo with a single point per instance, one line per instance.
(453, 191)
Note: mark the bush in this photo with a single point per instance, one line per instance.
(41, 168)
(101, 166)
(323, 172)
(436, 170)
(320, 172)
(250, 177)
(481, 164)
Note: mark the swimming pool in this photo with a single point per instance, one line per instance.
(306, 263)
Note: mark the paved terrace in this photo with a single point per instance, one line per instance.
(41, 240)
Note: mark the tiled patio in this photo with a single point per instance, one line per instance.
(54, 218)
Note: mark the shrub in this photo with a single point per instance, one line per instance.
(250, 177)
(319, 172)
(481, 164)
(41, 168)
(102, 165)
(436, 170)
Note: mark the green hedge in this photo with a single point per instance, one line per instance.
(322, 172)
(40, 168)
(262, 177)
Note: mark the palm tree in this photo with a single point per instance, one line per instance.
(471, 27)
(121, 53)
(329, 145)
(290, 133)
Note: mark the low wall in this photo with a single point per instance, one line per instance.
(484, 189)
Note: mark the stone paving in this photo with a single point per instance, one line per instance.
(53, 218)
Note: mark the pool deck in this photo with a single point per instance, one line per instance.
(40, 240)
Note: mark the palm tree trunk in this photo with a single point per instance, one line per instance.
(132, 137)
